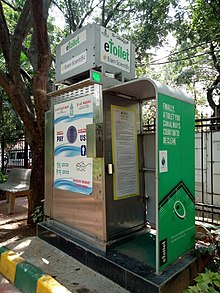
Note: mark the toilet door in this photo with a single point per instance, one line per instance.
(124, 199)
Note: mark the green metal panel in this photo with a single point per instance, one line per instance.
(176, 187)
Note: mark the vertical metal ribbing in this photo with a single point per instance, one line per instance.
(211, 150)
(202, 165)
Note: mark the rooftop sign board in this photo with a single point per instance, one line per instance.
(115, 51)
(94, 47)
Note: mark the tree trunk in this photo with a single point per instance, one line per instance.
(37, 180)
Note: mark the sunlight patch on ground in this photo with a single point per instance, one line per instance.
(9, 241)
(10, 226)
(21, 246)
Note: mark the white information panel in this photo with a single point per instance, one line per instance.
(115, 50)
(73, 43)
(124, 150)
(72, 168)
(74, 62)
(163, 161)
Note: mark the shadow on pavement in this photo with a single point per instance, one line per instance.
(14, 226)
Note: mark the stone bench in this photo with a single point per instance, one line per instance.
(18, 184)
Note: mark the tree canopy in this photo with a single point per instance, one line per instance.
(11, 126)
(194, 63)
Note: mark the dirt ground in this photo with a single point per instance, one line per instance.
(15, 231)
(14, 227)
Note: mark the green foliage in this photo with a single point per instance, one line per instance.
(205, 282)
(207, 23)
(191, 65)
(11, 126)
(149, 112)
(38, 214)
(12, 10)
(12, 13)
(152, 24)
(196, 55)
(55, 34)
(3, 177)
(208, 243)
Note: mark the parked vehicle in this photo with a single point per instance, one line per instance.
(16, 159)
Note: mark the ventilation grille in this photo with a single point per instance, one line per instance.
(82, 92)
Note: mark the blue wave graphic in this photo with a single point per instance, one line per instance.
(67, 118)
(59, 119)
(70, 151)
(71, 186)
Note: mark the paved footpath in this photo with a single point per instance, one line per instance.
(64, 273)
(31, 261)
(6, 287)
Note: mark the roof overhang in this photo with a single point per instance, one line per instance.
(145, 89)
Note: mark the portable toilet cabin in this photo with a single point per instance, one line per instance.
(107, 179)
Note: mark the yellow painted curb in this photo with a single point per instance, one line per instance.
(47, 284)
(8, 263)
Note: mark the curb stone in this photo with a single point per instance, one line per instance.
(25, 276)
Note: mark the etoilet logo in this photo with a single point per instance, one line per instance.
(116, 50)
